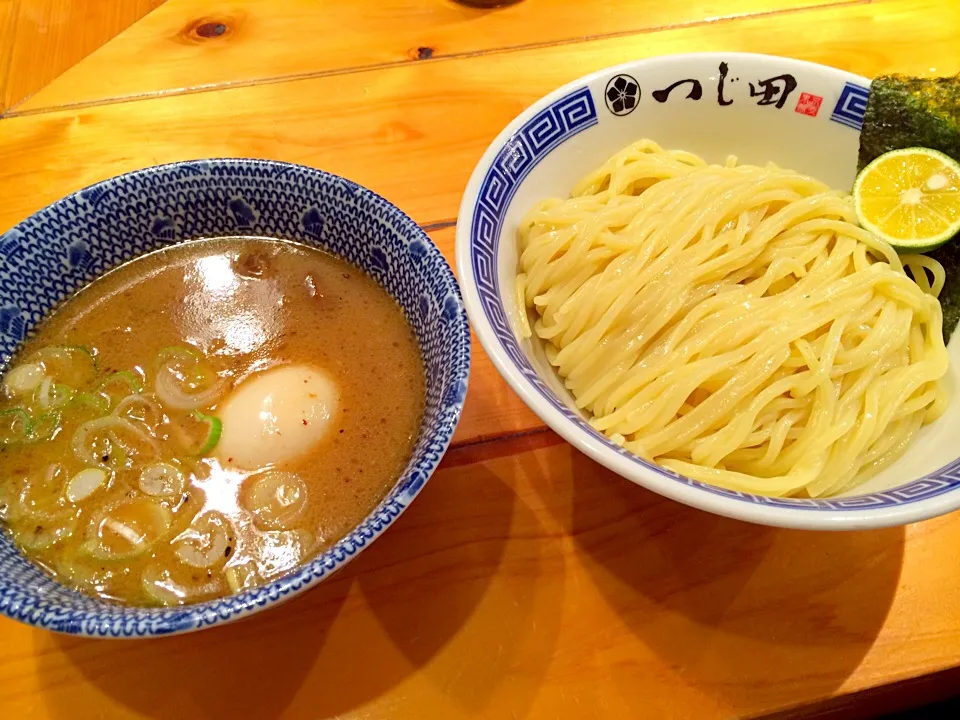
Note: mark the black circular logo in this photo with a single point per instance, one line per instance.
(622, 94)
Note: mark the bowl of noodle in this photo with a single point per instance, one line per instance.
(663, 260)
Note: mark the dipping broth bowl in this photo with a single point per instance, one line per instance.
(66, 245)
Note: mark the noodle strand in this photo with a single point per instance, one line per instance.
(733, 323)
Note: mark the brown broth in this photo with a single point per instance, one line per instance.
(247, 305)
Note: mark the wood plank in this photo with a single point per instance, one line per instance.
(8, 23)
(413, 133)
(285, 38)
(540, 585)
(53, 35)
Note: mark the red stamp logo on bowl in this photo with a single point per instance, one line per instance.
(808, 104)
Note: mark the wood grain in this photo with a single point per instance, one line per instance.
(526, 581)
(414, 133)
(52, 35)
(8, 24)
(558, 591)
(285, 38)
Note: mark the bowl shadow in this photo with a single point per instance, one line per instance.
(475, 669)
(337, 648)
(757, 618)
(209, 673)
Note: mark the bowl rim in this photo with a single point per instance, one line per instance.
(140, 622)
(814, 514)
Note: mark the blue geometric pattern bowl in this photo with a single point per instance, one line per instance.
(52, 254)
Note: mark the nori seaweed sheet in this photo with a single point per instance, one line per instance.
(907, 112)
(949, 256)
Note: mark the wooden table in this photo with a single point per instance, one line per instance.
(526, 581)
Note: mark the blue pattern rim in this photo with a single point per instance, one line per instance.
(510, 166)
(150, 622)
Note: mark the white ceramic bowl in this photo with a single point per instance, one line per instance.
(738, 105)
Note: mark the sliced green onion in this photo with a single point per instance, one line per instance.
(23, 378)
(59, 350)
(85, 483)
(126, 530)
(242, 576)
(173, 396)
(179, 354)
(157, 583)
(40, 499)
(185, 381)
(118, 453)
(62, 394)
(161, 479)
(14, 426)
(206, 542)
(131, 381)
(98, 402)
(59, 361)
(44, 426)
(142, 408)
(87, 442)
(276, 499)
(160, 586)
(42, 394)
(278, 551)
(214, 429)
(51, 394)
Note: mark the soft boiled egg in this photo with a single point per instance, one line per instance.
(276, 417)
